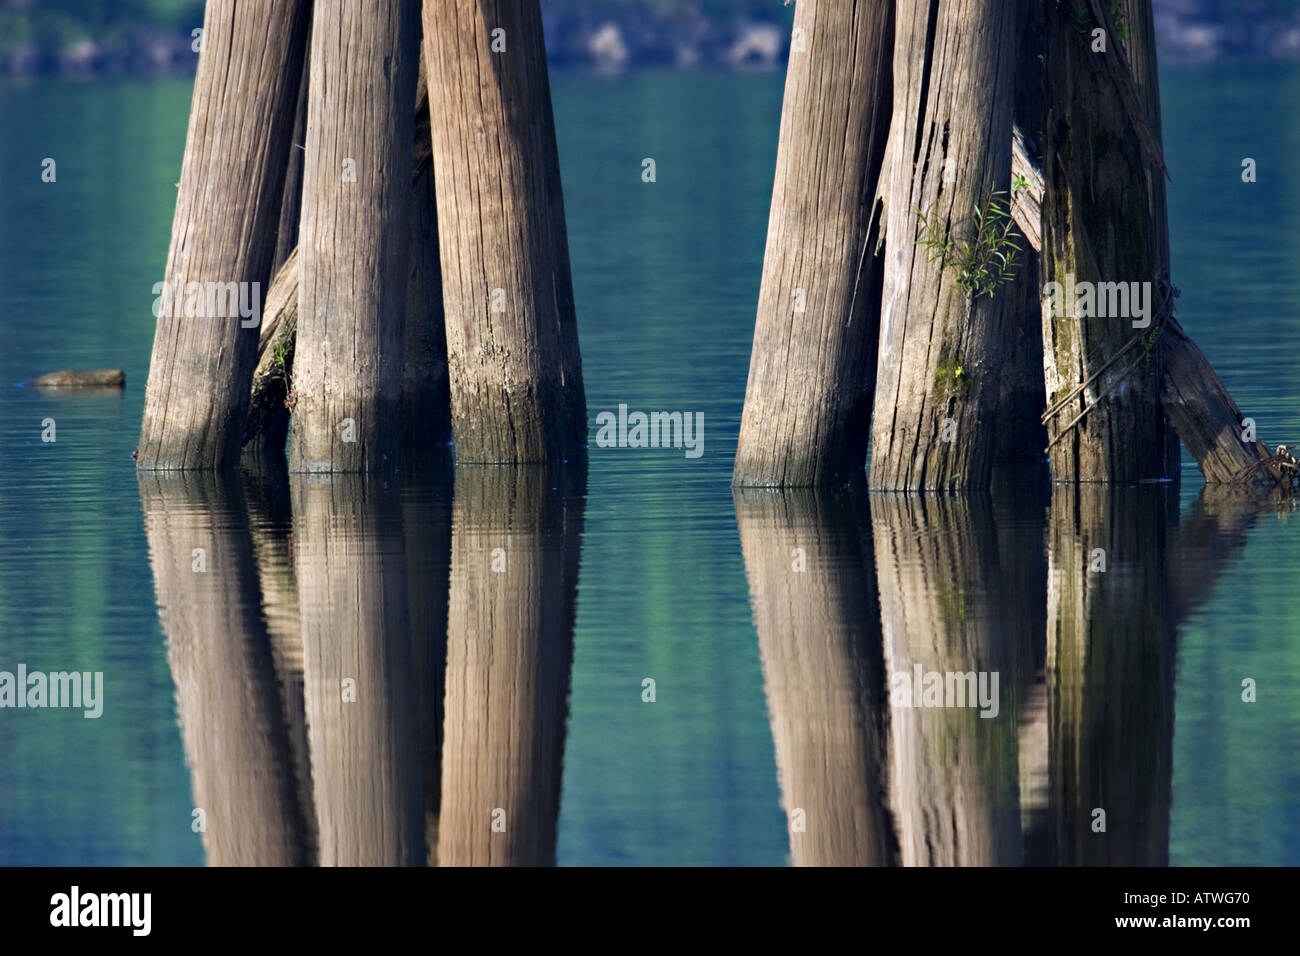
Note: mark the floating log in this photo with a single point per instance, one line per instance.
(99, 378)
(812, 371)
(224, 232)
(512, 338)
(942, 344)
(354, 237)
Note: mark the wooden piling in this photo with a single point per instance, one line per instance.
(512, 339)
(1104, 221)
(224, 231)
(812, 370)
(354, 238)
(942, 345)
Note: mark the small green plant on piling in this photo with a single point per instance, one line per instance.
(983, 254)
(282, 356)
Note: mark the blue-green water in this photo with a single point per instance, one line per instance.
(666, 278)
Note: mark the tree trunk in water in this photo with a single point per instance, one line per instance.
(512, 337)
(813, 589)
(942, 346)
(812, 371)
(360, 687)
(224, 231)
(1103, 222)
(232, 723)
(355, 237)
(426, 401)
(514, 573)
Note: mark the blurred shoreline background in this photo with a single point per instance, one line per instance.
(95, 37)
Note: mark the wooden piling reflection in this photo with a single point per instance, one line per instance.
(813, 591)
(953, 773)
(363, 735)
(231, 715)
(514, 569)
(426, 490)
(1110, 658)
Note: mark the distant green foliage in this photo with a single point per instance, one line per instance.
(982, 250)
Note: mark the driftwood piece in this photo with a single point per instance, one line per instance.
(99, 378)
(812, 373)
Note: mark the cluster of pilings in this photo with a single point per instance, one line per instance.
(901, 308)
(399, 204)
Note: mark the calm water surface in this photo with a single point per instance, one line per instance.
(769, 684)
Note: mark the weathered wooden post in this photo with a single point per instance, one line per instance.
(514, 574)
(947, 245)
(1105, 248)
(812, 584)
(223, 234)
(354, 238)
(512, 337)
(812, 370)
